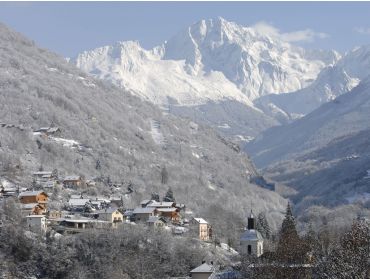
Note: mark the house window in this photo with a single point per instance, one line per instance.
(249, 249)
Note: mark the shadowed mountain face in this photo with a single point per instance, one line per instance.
(132, 139)
(347, 114)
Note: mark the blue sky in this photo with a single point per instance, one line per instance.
(71, 27)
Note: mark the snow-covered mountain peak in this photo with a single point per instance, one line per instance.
(211, 60)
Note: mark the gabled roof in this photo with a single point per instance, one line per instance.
(78, 201)
(203, 268)
(201, 220)
(143, 210)
(31, 193)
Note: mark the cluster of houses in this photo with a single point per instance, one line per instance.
(83, 212)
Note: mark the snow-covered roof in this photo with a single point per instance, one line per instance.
(163, 204)
(29, 206)
(143, 210)
(78, 201)
(42, 173)
(72, 178)
(203, 268)
(145, 201)
(75, 196)
(173, 209)
(30, 193)
(35, 216)
(153, 219)
(251, 234)
(201, 220)
(108, 210)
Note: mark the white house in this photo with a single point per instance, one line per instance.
(251, 240)
(36, 222)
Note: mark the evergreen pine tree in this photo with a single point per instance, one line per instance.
(164, 175)
(290, 249)
(169, 196)
(263, 226)
(155, 196)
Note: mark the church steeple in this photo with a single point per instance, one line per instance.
(251, 223)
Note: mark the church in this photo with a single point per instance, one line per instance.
(251, 241)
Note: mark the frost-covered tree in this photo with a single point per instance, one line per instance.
(263, 226)
(350, 259)
(290, 247)
(155, 196)
(169, 197)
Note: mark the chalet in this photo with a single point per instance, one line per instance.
(201, 229)
(75, 225)
(36, 222)
(100, 203)
(42, 175)
(39, 197)
(73, 181)
(54, 215)
(143, 214)
(33, 209)
(203, 271)
(156, 222)
(78, 204)
(171, 213)
(110, 215)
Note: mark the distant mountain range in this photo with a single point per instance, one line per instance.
(214, 68)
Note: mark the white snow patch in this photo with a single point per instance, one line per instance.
(245, 138)
(66, 142)
(195, 155)
(211, 186)
(225, 126)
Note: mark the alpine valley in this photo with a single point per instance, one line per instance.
(276, 100)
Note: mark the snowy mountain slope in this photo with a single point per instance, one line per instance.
(128, 65)
(131, 138)
(330, 83)
(210, 60)
(207, 65)
(347, 114)
(256, 63)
